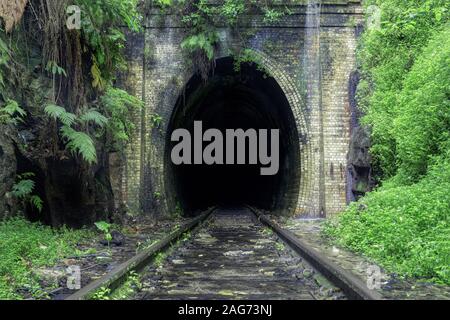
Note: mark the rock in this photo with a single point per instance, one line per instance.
(238, 253)
(359, 159)
(8, 167)
(118, 239)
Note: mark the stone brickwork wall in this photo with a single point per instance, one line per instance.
(159, 72)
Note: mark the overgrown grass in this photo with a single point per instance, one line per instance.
(26, 246)
(404, 228)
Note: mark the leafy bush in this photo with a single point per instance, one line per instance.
(405, 224)
(422, 123)
(405, 228)
(386, 57)
(24, 247)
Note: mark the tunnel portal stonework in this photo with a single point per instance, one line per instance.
(158, 72)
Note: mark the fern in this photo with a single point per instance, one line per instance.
(204, 41)
(97, 79)
(26, 175)
(23, 189)
(80, 143)
(37, 202)
(12, 113)
(93, 116)
(59, 113)
(77, 142)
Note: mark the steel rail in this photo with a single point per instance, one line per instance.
(116, 277)
(353, 287)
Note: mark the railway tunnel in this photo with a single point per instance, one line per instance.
(235, 99)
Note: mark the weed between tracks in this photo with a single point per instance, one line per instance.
(133, 284)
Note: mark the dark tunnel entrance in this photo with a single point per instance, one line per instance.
(231, 99)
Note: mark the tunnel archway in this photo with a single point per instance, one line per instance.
(235, 99)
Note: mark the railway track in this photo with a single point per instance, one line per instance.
(233, 254)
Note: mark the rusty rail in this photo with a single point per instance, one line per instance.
(116, 277)
(352, 286)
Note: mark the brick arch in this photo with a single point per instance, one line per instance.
(298, 107)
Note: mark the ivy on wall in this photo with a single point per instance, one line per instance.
(202, 18)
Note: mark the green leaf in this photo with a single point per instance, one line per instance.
(80, 143)
(37, 202)
(103, 226)
(55, 69)
(59, 113)
(95, 117)
(12, 112)
(23, 189)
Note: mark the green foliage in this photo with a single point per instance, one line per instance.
(12, 113)
(125, 291)
(164, 3)
(387, 55)
(53, 68)
(37, 202)
(404, 225)
(405, 228)
(422, 123)
(119, 107)
(23, 190)
(79, 143)
(204, 42)
(232, 10)
(95, 117)
(159, 259)
(156, 120)
(102, 294)
(25, 247)
(102, 29)
(105, 227)
(157, 195)
(5, 56)
(129, 288)
(59, 113)
(178, 213)
(272, 15)
(248, 56)
(201, 19)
